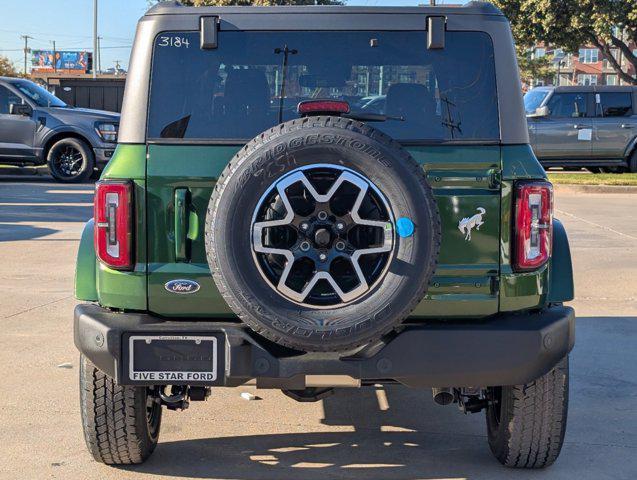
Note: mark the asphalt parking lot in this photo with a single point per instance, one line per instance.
(362, 434)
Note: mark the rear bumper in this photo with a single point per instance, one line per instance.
(502, 350)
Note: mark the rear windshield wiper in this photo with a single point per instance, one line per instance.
(284, 73)
(371, 117)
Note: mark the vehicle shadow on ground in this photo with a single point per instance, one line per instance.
(398, 434)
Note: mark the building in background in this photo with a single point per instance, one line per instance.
(588, 67)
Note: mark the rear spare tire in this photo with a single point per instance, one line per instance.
(322, 234)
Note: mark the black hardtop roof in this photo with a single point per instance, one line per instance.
(471, 8)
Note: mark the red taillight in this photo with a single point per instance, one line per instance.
(533, 224)
(323, 106)
(113, 223)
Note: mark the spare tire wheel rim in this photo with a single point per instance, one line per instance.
(322, 236)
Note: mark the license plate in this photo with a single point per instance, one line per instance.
(173, 358)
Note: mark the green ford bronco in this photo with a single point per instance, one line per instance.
(311, 198)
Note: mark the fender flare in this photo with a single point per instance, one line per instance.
(68, 130)
(561, 288)
(85, 267)
(632, 145)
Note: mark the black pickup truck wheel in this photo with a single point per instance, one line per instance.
(526, 423)
(322, 234)
(121, 423)
(71, 160)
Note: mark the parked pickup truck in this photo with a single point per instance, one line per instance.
(255, 225)
(584, 126)
(37, 128)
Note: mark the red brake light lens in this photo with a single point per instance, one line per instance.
(113, 223)
(533, 225)
(323, 106)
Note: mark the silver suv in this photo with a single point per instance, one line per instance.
(584, 126)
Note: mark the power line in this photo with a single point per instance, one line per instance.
(57, 34)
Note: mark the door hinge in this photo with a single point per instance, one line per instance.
(208, 28)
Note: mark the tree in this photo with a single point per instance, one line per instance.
(199, 3)
(6, 68)
(606, 24)
(532, 68)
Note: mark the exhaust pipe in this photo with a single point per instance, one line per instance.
(442, 395)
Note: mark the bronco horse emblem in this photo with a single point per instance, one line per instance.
(468, 223)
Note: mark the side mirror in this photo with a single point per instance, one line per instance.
(20, 109)
(541, 112)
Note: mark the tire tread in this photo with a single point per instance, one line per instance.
(110, 418)
(533, 421)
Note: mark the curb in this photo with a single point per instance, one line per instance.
(566, 188)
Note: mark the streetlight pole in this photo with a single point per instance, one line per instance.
(99, 54)
(95, 38)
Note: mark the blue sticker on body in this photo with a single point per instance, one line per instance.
(404, 227)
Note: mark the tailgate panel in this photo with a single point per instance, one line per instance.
(463, 178)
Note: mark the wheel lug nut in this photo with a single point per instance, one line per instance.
(322, 257)
(305, 246)
(304, 226)
(340, 245)
(322, 215)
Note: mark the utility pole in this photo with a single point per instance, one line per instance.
(26, 50)
(94, 38)
(55, 63)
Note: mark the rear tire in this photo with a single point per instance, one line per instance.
(526, 423)
(71, 160)
(121, 423)
(632, 163)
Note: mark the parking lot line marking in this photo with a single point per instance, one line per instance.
(83, 192)
(44, 204)
(381, 397)
(608, 229)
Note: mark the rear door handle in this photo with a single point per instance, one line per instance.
(626, 125)
(181, 224)
(578, 126)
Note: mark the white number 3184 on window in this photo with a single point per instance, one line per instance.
(172, 41)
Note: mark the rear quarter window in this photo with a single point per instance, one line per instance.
(614, 104)
(249, 83)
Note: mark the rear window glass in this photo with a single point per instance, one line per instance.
(615, 104)
(255, 79)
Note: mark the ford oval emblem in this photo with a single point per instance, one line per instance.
(182, 286)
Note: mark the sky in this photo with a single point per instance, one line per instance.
(70, 24)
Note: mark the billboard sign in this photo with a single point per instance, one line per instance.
(47, 60)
